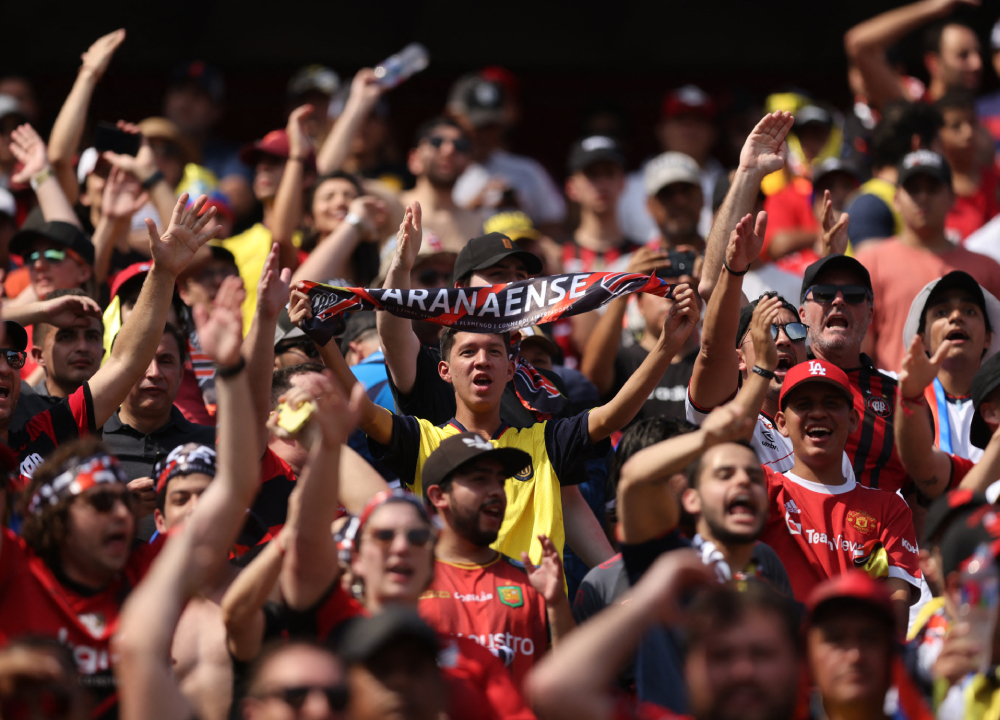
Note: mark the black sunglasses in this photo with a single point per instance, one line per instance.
(795, 331)
(853, 294)
(295, 697)
(416, 537)
(105, 500)
(15, 358)
(430, 278)
(461, 145)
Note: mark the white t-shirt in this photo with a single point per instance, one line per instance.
(986, 240)
(536, 192)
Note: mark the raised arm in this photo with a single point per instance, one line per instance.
(243, 604)
(399, 343)
(143, 167)
(585, 534)
(287, 215)
(619, 411)
(136, 342)
(67, 131)
(598, 362)
(929, 466)
(763, 153)
(331, 258)
(547, 579)
(754, 391)
(987, 471)
(123, 197)
(647, 505)
(574, 680)
(365, 92)
(61, 311)
(29, 149)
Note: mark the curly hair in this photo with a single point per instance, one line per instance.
(45, 530)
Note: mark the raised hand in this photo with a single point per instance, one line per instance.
(336, 416)
(918, 370)
(959, 655)
(144, 490)
(372, 211)
(273, 288)
(726, 423)
(671, 579)
(365, 90)
(187, 232)
(765, 149)
(834, 239)
(66, 310)
(29, 149)
(123, 195)
(98, 56)
(299, 142)
(299, 305)
(764, 347)
(647, 259)
(220, 333)
(682, 318)
(143, 164)
(547, 576)
(409, 237)
(746, 242)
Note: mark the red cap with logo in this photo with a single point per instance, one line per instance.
(815, 371)
(274, 143)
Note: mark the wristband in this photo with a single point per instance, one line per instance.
(353, 219)
(232, 370)
(152, 180)
(297, 158)
(40, 177)
(915, 400)
(769, 374)
(733, 272)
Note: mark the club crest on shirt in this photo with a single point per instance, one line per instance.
(879, 405)
(526, 474)
(510, 595)
(861, 521)
(96, 623)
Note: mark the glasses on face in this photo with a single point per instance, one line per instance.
(51, 255)
(433, 278)
(105, 500)
(461, 145)
(795, 331)
(824, 294)
(295, 697)
(15, 358)
(415, 537)
(307, 348)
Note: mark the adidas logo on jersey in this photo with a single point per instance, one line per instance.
(791, 507)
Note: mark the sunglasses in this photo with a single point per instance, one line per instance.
(415, 537)
(306, 347)
(431, 278)
(104, 501)
(295, 697)
(795, 331)
(461, 145)
(853, 294)
(15, 358)
(51, 255)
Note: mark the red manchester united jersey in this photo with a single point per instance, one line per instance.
(493, 604)
(872, 447)
(820, 531)
(34, 602)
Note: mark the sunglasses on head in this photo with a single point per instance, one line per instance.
(105, 500)
(795, 331)
(52, 255)
(853, 294)
(416, 537)
(461, 145)
(295, 697)
(15, 358)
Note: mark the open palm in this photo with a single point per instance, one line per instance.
(187, 232)
(765, 150)
(220, 333)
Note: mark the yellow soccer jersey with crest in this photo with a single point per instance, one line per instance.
(558, 449)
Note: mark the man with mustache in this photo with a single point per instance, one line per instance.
(478, 592)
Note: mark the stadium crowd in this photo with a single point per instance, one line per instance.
(309, 428)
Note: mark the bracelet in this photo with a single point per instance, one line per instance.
(769, 374)
(915, 400)
(353, 219)
(40, 177)
(232, 370)
(297, 158)
(152, 180)
(733, 272)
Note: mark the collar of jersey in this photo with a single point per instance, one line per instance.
(461, 428)
(470, 566)
(849, 484)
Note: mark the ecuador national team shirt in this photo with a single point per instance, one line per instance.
(68, 419)
(33, 601)
(534, 503)
(493, 604)
(820, 531)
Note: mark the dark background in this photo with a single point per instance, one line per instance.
(567, 55)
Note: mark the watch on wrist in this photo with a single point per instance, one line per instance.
(152, 180)
(40, 177)
(769, 374)
(355, 220)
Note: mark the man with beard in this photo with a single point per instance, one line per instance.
(441, 154)
(478, 592)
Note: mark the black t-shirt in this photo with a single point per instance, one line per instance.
(667, 398)
(68, 419)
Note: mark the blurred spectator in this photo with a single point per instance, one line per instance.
(11, 115)
(68, 355)
(480, 107)
(988, 106)
(674, 199)
(20, 88)
(314, 85)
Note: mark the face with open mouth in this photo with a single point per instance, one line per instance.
(790, 353)
(477, 501)
(818, 418)
(956, 317)
(730, 496)
(396, 570)
(836, 326)
(99, 540)
(479, 368)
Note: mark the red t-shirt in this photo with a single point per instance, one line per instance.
(480, 688)
(971, 212)
(820, 531)
(872, 447)
(68, 419)
(789, 209)
(492, 604)
(628, 708)
(34, 602)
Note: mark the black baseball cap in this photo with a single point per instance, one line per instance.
(455, 451)
(835, 165)
(985, 381)
(924, 162)
(948, 508)
(487, 250)
(955, 280)
(357, 324)
(593, 149)
(198, 72)
(61, 233)
(963, 538)
(833, 262)
(746, 315)
(16, 337)
(480, 100)
(365, 637)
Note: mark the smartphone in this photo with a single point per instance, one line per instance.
(109, 137)
(291, 421)
(681, 263)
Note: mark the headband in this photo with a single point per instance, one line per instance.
(78, 477)
(185, 459)
(353, 530)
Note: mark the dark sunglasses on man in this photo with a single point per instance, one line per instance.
(461, 145)
(295, 697)
(795, 331)
(825, 294)
(104, 501)
(415, 537)
(15, 358)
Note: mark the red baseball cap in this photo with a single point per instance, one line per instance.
(133, 270)
(274, 143)
(815, 371)
(689, 99)
(852, 585)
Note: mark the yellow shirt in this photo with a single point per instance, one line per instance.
(250, 248)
